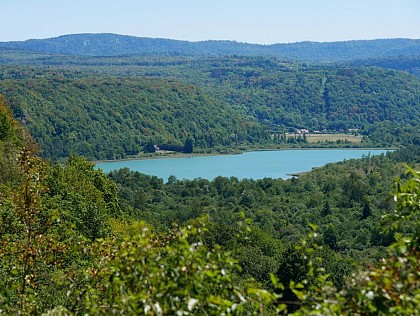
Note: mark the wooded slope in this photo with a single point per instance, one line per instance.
(115, 110)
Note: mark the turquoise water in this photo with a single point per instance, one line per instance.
(253, 165)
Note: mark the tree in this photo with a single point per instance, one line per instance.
(172, 179)
(149, 147)
(391, 287)
(189, 146)
(330, 236)
(38, 247)
(367, 211)
(88, 195)
(326, 210)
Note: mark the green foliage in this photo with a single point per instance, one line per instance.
(391, 287)
(333, 197)
(70, 245)
(407, 198)
(409, 63)
(88, 197)
(109, 117)
(166, 274)
(390, 133)
(49, 265)
(330, 236)
(36, 253)
(12, 137)
(7, 124)
(47, 215)
(130, 103)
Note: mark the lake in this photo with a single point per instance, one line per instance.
(253, 165)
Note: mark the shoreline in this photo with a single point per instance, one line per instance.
(194, 155)
(162, 156)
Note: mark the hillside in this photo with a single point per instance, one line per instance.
(295, 95)
(407, 63)
(110, 117)
(120, 45)
(114, 111)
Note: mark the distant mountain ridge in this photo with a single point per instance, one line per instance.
(107, 44)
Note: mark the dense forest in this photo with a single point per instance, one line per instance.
(109, 117)
(342, 239)
(215, 102)
(75, 241)
(410, 64)
(120, 45)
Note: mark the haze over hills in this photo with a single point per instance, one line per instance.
(106, 44)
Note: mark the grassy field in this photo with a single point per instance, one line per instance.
(314, 138)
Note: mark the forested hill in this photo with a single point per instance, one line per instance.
(214, 102)
(110, 117)
(118, 45)
(407, 63)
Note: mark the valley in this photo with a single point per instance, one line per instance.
(233, 234)
(218, 103)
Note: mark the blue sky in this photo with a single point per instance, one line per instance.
(261, 21)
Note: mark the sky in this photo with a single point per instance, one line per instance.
(260, 21)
